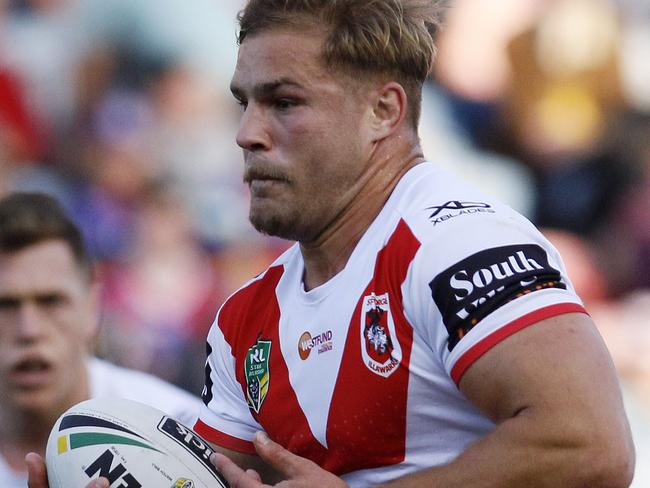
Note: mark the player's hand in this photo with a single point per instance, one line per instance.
(299, 472)
(37, 473)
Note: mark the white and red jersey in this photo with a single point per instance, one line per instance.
(360, 374)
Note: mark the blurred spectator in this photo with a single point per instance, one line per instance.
(196, 127)
(449, 145)
(635, 46)
(561, 107)
(161, 297)
(473, 63)
(20, 136)
(625, 240)
(42, 42)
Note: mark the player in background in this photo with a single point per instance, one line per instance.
(420, 333)
(49, 314)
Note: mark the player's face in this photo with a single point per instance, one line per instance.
(302, 132)
(47, 319)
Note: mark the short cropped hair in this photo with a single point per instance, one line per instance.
(391, 37)
(27, 219)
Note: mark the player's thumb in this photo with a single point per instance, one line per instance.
(277, 456)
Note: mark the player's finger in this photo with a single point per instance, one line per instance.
(37, 474)
(254, 474)
(236, 477)
(98, 483)
(36, 471)
(278, 457)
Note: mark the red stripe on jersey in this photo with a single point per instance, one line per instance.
(253, 314)
(367, 416)
(224, 440)
(476, 351)
(367, 419)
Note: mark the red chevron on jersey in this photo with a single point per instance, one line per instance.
(360, 374)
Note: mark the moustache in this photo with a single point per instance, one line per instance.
(257, 172)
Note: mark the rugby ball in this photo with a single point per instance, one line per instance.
(132, 444)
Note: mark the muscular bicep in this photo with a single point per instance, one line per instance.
(557, 367)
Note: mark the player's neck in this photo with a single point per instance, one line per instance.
(21, 434)
(328, 254)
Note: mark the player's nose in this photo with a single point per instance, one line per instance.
(254, 133)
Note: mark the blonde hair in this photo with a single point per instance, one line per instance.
(378, 37)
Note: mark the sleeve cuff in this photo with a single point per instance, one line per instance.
(475, 352)
(224, 440)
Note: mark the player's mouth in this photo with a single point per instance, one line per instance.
(31, 373)
(263, 180)
(259, 187)
(256, 174)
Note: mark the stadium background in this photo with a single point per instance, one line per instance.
(121, 109)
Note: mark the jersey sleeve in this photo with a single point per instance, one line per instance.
(472, 287)
(224, 419)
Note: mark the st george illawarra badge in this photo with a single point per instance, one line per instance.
(380, 348)
(257, 373)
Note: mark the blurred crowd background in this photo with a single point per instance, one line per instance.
(121, 109)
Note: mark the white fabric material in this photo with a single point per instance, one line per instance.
(109, 380)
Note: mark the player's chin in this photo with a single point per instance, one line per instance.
(36, 401)
(272, 223)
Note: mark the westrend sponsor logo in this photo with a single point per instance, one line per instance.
(471, 289)
(322, 342)
(380, 349)
(456, 208)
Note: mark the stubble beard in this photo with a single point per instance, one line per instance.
(275, 225)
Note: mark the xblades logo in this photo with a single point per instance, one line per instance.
(456, 208)
(455, 205)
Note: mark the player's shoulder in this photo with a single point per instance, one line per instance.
(442, 210)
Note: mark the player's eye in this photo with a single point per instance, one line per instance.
(284, 103)
(51, 300)
(7, 304)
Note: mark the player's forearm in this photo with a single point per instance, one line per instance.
(525, 452)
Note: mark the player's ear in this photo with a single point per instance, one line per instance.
(389, 109)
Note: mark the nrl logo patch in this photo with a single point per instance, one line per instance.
(380, 349)
(256, 371)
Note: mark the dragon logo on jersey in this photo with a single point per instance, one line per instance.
(380, 348)
(256, 371)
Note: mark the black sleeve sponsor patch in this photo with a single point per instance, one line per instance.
(471, 289)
